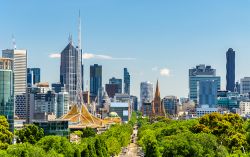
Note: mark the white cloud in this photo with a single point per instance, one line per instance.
(55, 55)
(104, 57)
(87, 56)
(92, 56)
(165, 72)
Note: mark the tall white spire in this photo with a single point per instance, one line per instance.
(79, 97)
(79, 32)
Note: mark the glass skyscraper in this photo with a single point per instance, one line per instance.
(230, 69)
(33, 76)
(68, 70)
(95, 80)
(7, 90)
(201, 73)
(126, 81)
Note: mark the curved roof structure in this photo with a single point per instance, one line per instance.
(79, 117)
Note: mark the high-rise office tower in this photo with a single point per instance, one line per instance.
(20, 68)
(197, 74)
(146, 97)
(7, 90)
(230, 69)
(114, 80)
(33, 76)
(69, 70)
(146, 92)
(95, 80)
(126, 81)
(207, 90)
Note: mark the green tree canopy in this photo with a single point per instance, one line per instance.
(59, 144)
(88, 132)
(5, 135)
(30, 134)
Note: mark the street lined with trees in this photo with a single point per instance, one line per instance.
(31, 142)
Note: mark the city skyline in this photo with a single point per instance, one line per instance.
(150, 44)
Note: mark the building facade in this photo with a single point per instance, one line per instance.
(126, 79)
(122, 109)
(114, 80)
(230, 54)
(171, 104)
(207, 93)
(111, 89)
(201, 73)
(7, 91)
(62, 104)
(245, 107)
(95, 80)
(245, 85)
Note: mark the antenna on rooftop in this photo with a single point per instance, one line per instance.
(13, 42)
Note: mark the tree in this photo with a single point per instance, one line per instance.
(25, 150)
(88, 132)
(227, 127)
(5, 135)
(113, 146)
(98, 148)
(57, 143)
(152, 149)
(30, 134)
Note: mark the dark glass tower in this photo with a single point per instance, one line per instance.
(230, 69)
(126, 81)
(95, 80)
(33, 76)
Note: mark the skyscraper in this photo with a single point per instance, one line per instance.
(69, 70)
(146, 92)
(20, 68)
(20, 79)
(33, 76)
(197, 74)
(230, 69)
(146, 96)
(126, 81)
(7, 90)
(95, 80)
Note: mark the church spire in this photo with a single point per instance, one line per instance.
(157, 90)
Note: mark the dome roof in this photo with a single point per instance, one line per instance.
(113, 114)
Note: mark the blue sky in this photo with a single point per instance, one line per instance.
(172, 35)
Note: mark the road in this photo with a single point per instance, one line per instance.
(132, 149)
